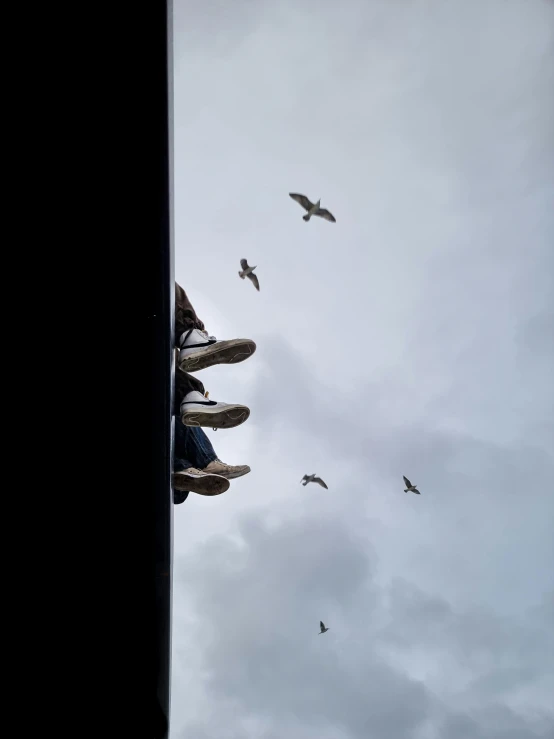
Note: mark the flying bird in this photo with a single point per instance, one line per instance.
(249, 272)
(312, 208)
(323, 627)
(312, 478)
(410, 487)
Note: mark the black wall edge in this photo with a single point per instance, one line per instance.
(160, 328)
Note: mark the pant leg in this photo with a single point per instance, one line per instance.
(199, 447)
(192, 447)
(185, 315)
(180, 447)
(180, 462)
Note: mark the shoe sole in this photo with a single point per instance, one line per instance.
(228, 352)
(227, 418)
(205, 485)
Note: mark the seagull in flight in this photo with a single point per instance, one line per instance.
(312, 478)
(249, 272)
(323, 627)
(410, 487)
(313, 209)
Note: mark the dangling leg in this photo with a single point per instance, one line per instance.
(201, 450)
(189, 456)
(198, 350)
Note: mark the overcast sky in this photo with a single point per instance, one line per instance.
(414, 336)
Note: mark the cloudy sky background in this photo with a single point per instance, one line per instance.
(414, 336)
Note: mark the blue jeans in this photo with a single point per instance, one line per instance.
(192, 448)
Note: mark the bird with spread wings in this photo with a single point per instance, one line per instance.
(249, 272)
(312, 478)
(313, 209)
(409, 487)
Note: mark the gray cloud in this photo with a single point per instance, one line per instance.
(496, 722)
(258, 604)
(485, 497)
(264, 651)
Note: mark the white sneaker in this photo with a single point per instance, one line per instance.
(199, 351)
(197, 410)
(230, 472)
(196, 481)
